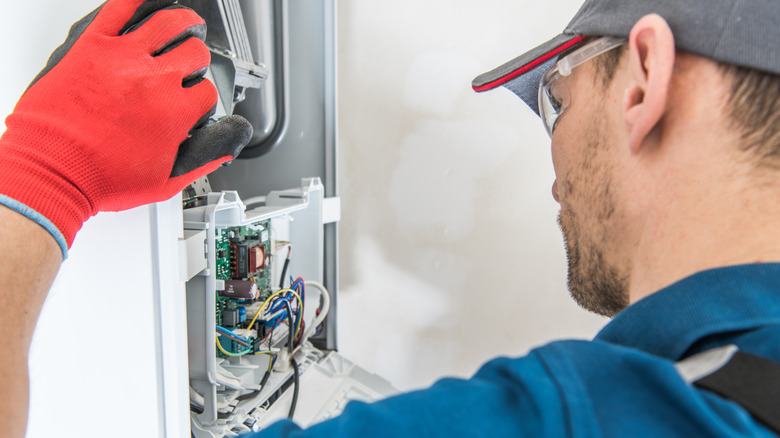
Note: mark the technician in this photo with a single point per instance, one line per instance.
(665, 133)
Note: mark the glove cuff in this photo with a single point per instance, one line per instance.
(39, 219)
(33, 187)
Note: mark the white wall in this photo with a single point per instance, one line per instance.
(450, 250)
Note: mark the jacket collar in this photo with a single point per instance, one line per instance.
(713, 302)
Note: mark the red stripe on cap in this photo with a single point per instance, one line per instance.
(530, 66)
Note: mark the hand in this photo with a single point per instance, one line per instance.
(116, 119)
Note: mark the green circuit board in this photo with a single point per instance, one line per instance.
(227, 242)
(225, 239)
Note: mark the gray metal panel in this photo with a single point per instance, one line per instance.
(308, 146)
(301, 153)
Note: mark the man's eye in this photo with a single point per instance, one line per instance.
(556, 103)
(557, 96)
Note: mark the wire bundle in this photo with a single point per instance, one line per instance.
(285, 299)
(285, 306)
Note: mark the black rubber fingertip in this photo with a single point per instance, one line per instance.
(189, 83)
(194, 78)
(198, 31)
(243, 131)
(212, 142)
(144, 12)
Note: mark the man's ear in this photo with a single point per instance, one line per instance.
(651, 62)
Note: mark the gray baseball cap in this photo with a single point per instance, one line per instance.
(740, 32)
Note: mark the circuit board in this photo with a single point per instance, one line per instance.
(225, 241)
(243, 255)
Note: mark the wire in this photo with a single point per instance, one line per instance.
(271, 342)
(268, 300)
(278, 305)
(240, 339)
(298, 324)
(247, 351)
(325, 296)
(290, 338)
(265, 379)
(271, 362)
(286, 264)
(296, 384)
(300, 287)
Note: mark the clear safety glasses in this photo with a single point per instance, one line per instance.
(554, 93)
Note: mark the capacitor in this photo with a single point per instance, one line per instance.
(240, 290)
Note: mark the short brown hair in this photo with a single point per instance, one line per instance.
(607, 64)
(753, 105)
(754, 110)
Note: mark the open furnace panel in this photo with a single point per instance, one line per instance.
(260, 322)
(252, 309)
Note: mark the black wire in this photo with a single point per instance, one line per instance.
(296, 384)
(301, 310)
(265, 378)
(284, 272)
(290, 326)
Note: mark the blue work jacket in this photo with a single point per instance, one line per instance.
(621, 384)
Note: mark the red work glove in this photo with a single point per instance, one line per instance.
(116, 118)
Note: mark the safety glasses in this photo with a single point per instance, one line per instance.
(554, 93)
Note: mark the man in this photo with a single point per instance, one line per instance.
(664, 144)
(664, 132)
(665, 141)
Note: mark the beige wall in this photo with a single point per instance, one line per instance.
(450, 252)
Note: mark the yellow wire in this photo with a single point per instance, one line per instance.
(300, 306)
(265, 304)
(260, 310)
(219, 345)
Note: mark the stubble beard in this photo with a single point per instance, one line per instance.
(595, 284)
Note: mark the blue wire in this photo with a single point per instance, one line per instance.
(274, 322)
(289, 297)
(278, 305)
(229, 333)
(293, 318)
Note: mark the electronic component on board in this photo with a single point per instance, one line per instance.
(230, 317)
(247, 258)
(240, 290)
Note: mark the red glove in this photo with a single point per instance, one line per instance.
(116, 118)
